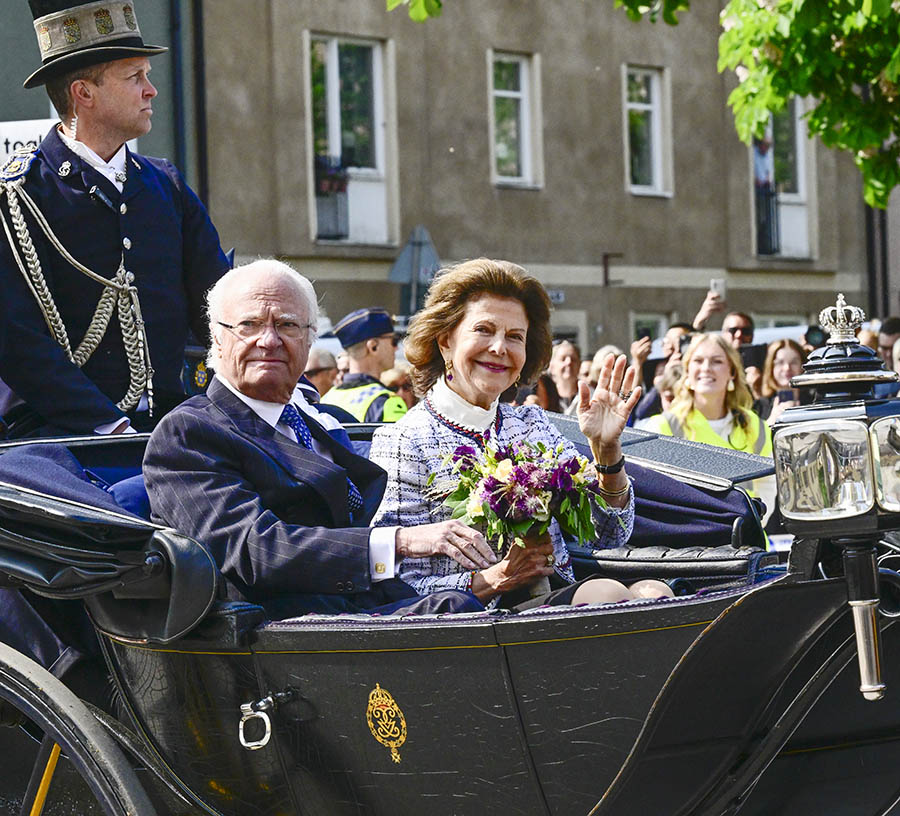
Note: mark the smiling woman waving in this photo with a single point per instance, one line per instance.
(486, 327)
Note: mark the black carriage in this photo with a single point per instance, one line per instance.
(741, 694)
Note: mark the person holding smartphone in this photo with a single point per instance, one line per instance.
(784, 360)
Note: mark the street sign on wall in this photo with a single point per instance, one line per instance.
(23, 133)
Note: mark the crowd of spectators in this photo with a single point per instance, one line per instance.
(767, 369)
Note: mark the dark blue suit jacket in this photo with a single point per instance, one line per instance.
(175, 257)
(273, 514)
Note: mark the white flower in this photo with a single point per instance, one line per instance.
(503, 471)
(475, 507)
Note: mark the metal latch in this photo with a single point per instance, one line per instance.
(258, 711)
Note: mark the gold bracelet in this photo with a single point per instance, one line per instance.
(614, 493)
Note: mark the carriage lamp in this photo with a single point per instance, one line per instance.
(837, 463)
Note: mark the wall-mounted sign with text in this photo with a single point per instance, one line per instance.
(24, 133)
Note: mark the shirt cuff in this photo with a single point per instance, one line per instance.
(382, 551)
(109, 427)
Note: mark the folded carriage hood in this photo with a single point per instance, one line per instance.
(139, 581)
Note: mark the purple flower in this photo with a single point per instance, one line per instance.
(465, 456)
(561, 479)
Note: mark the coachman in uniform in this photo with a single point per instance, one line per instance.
(105, 255)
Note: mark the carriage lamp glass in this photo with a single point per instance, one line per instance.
(824, 470)
(885, 434)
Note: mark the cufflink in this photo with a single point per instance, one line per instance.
(380, 568)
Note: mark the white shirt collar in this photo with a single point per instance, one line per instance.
(451, 405)
(268, 412)
(109, 169)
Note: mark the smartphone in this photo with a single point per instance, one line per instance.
(684, 341)
(815, 336)
(787, 395)
(717, 285)
(753, 356)
(640, 334)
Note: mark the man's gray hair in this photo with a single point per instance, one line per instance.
(215, 297)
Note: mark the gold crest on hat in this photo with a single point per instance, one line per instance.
(43, 34)
(386, 720)
(104, 21)
(71, 30)
(128, 14)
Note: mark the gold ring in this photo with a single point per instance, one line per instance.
(551, 560)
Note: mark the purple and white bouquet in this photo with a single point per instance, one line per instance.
(507, 491)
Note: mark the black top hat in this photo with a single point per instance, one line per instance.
(75, 35)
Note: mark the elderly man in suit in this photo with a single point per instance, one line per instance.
(248, 471)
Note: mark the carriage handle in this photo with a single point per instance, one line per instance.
(258, 711)
(861, 573)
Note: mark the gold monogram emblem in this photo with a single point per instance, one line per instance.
(386, 720)
(71, 30)
(104, 21)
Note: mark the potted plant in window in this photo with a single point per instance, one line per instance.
(331, 198)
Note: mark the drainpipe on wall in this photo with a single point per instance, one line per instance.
(177, 84)
(200, 102)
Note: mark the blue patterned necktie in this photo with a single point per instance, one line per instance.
(290, 416)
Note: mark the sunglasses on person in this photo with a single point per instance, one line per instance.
(394, 338)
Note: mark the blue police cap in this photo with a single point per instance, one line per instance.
(360, 325)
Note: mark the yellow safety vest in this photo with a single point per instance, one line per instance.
(358, 399)
(756, 438)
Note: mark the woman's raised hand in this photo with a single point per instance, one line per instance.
(603, 415)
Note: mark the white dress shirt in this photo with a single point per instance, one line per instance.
(382, 540)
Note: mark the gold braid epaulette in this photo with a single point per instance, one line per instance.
(119, 294)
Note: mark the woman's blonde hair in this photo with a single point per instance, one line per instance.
(445, 305)
(738, 402)
(769, 386)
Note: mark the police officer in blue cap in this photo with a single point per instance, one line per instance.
(370, 341)
(105, 254)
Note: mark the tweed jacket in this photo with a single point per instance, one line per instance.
(413, 448)
(273, 514)
(161, 231)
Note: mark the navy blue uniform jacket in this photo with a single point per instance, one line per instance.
(273, 514)
(174, 254)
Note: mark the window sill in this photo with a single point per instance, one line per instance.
(644, 192)
(349, 243)
(786, 258)
(503, 184)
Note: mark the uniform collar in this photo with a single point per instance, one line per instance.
(115, 165)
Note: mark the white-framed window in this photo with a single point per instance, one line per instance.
(653, 324)
(514, 121)
(648, 156)
(783, 210)
(348, 134)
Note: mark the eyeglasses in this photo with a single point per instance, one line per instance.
(394, 338)
(732, 330)
(312, 372)
(251, 329)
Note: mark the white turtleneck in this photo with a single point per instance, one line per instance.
(452, 406)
